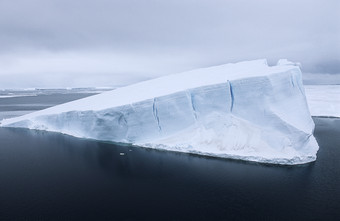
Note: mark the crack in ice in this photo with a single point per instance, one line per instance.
(155, 114)
(231, 97)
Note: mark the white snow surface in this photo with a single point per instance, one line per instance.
(323, 100)
(246, 111)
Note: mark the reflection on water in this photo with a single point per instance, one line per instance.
(46, 175)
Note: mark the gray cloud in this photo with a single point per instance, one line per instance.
(168, 36)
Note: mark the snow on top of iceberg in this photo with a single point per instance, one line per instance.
(287, 62)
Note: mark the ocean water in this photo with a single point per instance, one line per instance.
(19, 102)
(50, 176)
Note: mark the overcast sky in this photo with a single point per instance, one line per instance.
(78, 43)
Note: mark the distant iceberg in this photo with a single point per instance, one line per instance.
(323, 100)
(247, 111)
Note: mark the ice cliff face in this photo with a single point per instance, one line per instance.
(245, 111)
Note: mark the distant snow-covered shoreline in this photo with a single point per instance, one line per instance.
(323, 100)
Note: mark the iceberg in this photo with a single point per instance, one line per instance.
(323, 100)
(246, 111)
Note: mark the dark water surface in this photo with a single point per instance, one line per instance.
(50, 176)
